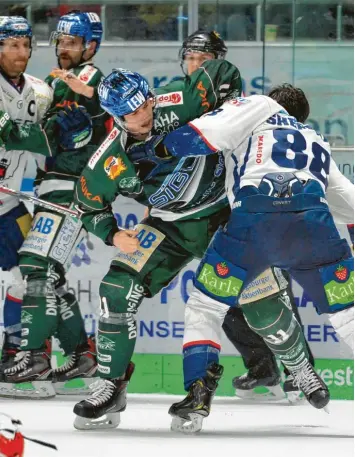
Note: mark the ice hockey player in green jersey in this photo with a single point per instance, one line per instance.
(186, 201)
(48, 249)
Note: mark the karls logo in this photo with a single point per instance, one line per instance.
(170, 99)
(216, 281)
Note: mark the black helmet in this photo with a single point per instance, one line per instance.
(204, 41)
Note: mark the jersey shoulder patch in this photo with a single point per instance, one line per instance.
(103, 148)
(43, 95)
(87, 73)
(170, 99)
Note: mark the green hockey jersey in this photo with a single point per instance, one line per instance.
(185, 188)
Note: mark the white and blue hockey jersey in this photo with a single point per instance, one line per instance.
(257, 136)
(25, 107)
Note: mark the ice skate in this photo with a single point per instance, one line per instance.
(30, 376)
(78, 373)
(102, 409)
(266, 375)
(312, 385)
(189, 413)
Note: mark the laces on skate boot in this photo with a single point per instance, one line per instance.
(101, 410)
(313, 387)
(29, 376)
(78, 373)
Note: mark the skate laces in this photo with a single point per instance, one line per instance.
(306, 379)
(102, 391)
(69, 364)
(21, 360)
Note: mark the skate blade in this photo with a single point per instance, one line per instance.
(295, 398)
(109, 420)
(273, 393)
(80, 386)
(35, 390)
(181, 425)
(326, 409)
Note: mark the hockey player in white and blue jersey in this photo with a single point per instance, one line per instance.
(280, 179)
(24, 101)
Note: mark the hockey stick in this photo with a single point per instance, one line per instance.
(38, 201)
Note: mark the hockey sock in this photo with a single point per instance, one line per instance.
(71, 328)
(273, 320)
(12, 321)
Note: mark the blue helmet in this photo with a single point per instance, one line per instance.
(85, 25)
(14, 27)
(122, 92)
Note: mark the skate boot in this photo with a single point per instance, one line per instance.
(264, 375)
(293, 394)
(312, 385)
(102, 409)
(29, 376)
(8, 354)
(189, 413)
(78, 373)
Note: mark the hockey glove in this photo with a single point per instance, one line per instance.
(75, 127)
(6, 126)
(152, 150)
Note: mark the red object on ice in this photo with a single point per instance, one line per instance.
(12, 447)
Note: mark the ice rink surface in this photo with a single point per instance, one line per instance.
(234, 429)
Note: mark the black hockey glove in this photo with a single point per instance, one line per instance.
(75, 127)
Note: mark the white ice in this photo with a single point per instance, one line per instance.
(234, 429)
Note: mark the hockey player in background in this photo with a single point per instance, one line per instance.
(24, 101)
(77, 39)
(278, 170)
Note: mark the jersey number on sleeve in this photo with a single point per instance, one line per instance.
(293, 140)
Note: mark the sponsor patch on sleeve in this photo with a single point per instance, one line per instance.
(170, 99)
(104, 146)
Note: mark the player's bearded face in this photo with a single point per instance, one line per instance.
(193, 60)
(14, 55)
(70, 51)
(140, 121)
